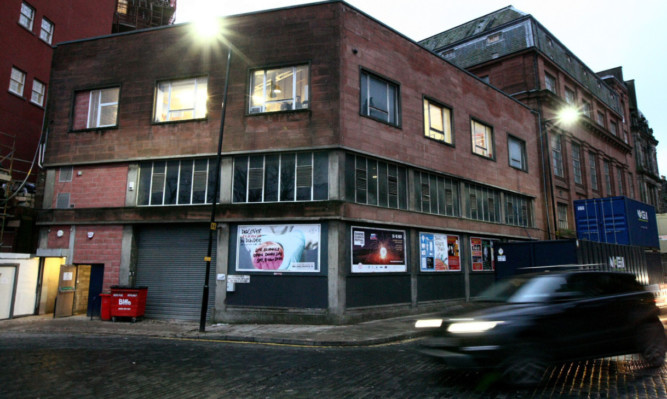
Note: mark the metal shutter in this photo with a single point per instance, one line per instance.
(170, 262)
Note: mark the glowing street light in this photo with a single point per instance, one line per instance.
(568, 115)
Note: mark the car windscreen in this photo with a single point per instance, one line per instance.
(523, 289)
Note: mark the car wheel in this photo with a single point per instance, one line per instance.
(651, 344)
(525, 367)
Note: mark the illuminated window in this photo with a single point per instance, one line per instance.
(437, 122)
(17, 82)
(279, 89)
(46, 32)
(379, 99)
(181, 100)
(96, 108)
(122, 7)
(38, 91)
(482, 139)
(27, 16)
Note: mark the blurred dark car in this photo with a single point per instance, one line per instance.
(523, 324)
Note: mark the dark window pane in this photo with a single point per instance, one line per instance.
(304, 176)
(382, 184)
(419, 188)
(372, 182)
(212, 165)
(185, 186)
(144, 182)
(361, 180)
(402, 188)
(256, 178)
(321, 176)
(349, 177)
(271, 168)
(393, 188)
(433, 182)
(442, 206)
(240, 178)
(287, 177)
(171, 187)
(199, 181)
(157, 183)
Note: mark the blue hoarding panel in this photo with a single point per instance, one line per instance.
(616, 220)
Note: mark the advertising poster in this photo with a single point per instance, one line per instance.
(378, 250)
(482, 255)
(439, 252)
(278, 248)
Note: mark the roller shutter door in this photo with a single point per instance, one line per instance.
(170, 262)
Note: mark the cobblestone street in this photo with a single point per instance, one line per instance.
(91, 366)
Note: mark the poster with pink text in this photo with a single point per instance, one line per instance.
(278, 248)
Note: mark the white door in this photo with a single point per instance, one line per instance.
(7, 275)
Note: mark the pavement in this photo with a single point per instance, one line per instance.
(368, 333)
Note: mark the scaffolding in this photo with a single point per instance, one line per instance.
(14, 195)
(139, 14)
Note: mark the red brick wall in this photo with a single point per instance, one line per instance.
(96, 186)
(55, 242)
(81, 105)
(104, 247)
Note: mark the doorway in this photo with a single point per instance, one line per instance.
(79, 290)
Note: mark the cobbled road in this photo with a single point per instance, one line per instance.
(88, 366)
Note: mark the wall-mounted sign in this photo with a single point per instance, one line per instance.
(482, 255)
(439, 252)
(283, 248)
(378, 250)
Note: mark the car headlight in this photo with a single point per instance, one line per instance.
(428, 323)
(472, 326)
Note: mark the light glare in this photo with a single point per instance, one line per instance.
(428, 323)
(472, 326)
(568, 115)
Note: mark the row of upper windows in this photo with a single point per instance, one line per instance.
(17, 84)
(27, 20)
(579, 169)
(287, 89)
(586, 109)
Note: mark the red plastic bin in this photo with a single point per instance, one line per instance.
(128, 302)
(105, 308)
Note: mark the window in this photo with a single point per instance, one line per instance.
(600, 119)
(586, 108)
(62, 201)
(631, 186)
(373, 182)
(46, 33)
(279, 89)
(550, 83)
(482, 139)
(437, 122)
(613, 128)
(180, 100)
(437, 194)
(379, 99)
(619, 181)
(122, 7)
(176, 182)
(17, 82)
(493, 38)
(38, 91)
(482, 203)
(96, 108)
(592, 164)
(607, 176)
(518, 210)
(557, 155)
(65, 174)
(517, 153)
(281, 177)
(562, 217)
(569, 96)
(576, 163)
(27, 16)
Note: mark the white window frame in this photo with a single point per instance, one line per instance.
(17, 81)
(392, 92)
(444, 114)
(38, 92)
(27, 16)
(46, 31)
(264, 91)
(520, 145)
(482, 141)
(164, 97)
(94, 118)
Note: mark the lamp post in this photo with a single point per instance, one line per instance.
(213, 227)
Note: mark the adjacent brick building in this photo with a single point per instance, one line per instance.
(362, 175)
(589, 157)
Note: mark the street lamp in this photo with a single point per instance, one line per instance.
(209, 27)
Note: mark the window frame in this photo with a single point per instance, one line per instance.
(48, 33)
(447, 114)
(365, 111)
(30, 19)
(147, 179)
(41, 94)
(593, 168)
(20, 84)
(267, 70)
(89, 92)
(196, 108)
(577, 170)
(562, 216)
(490, 138)
(557, 167)
(550, 83)
(522, 144)
(570, 96)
